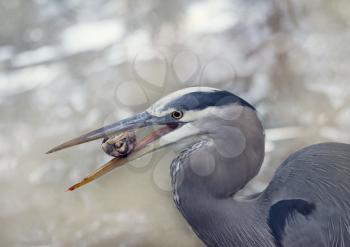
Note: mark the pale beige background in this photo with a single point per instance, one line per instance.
(68, 66)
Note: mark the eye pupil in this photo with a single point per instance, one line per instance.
(177, 114)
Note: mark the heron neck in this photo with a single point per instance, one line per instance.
(223, 222)
(216, 218)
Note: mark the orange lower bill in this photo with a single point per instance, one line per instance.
(120, 161)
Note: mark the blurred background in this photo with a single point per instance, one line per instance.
(69, 66)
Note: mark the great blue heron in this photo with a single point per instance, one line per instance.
(307, 203)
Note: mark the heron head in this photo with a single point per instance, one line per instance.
(180, 116)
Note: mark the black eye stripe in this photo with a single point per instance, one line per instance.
(201, 100)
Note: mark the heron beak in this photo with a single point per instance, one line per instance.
(138, 121)
(142, 146)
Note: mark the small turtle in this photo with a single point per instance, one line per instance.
(120, 145)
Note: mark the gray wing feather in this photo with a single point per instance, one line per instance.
(303, 232)
(319, 174)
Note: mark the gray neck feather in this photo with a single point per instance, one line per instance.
(204, 179)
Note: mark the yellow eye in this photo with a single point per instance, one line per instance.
(177, 114)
